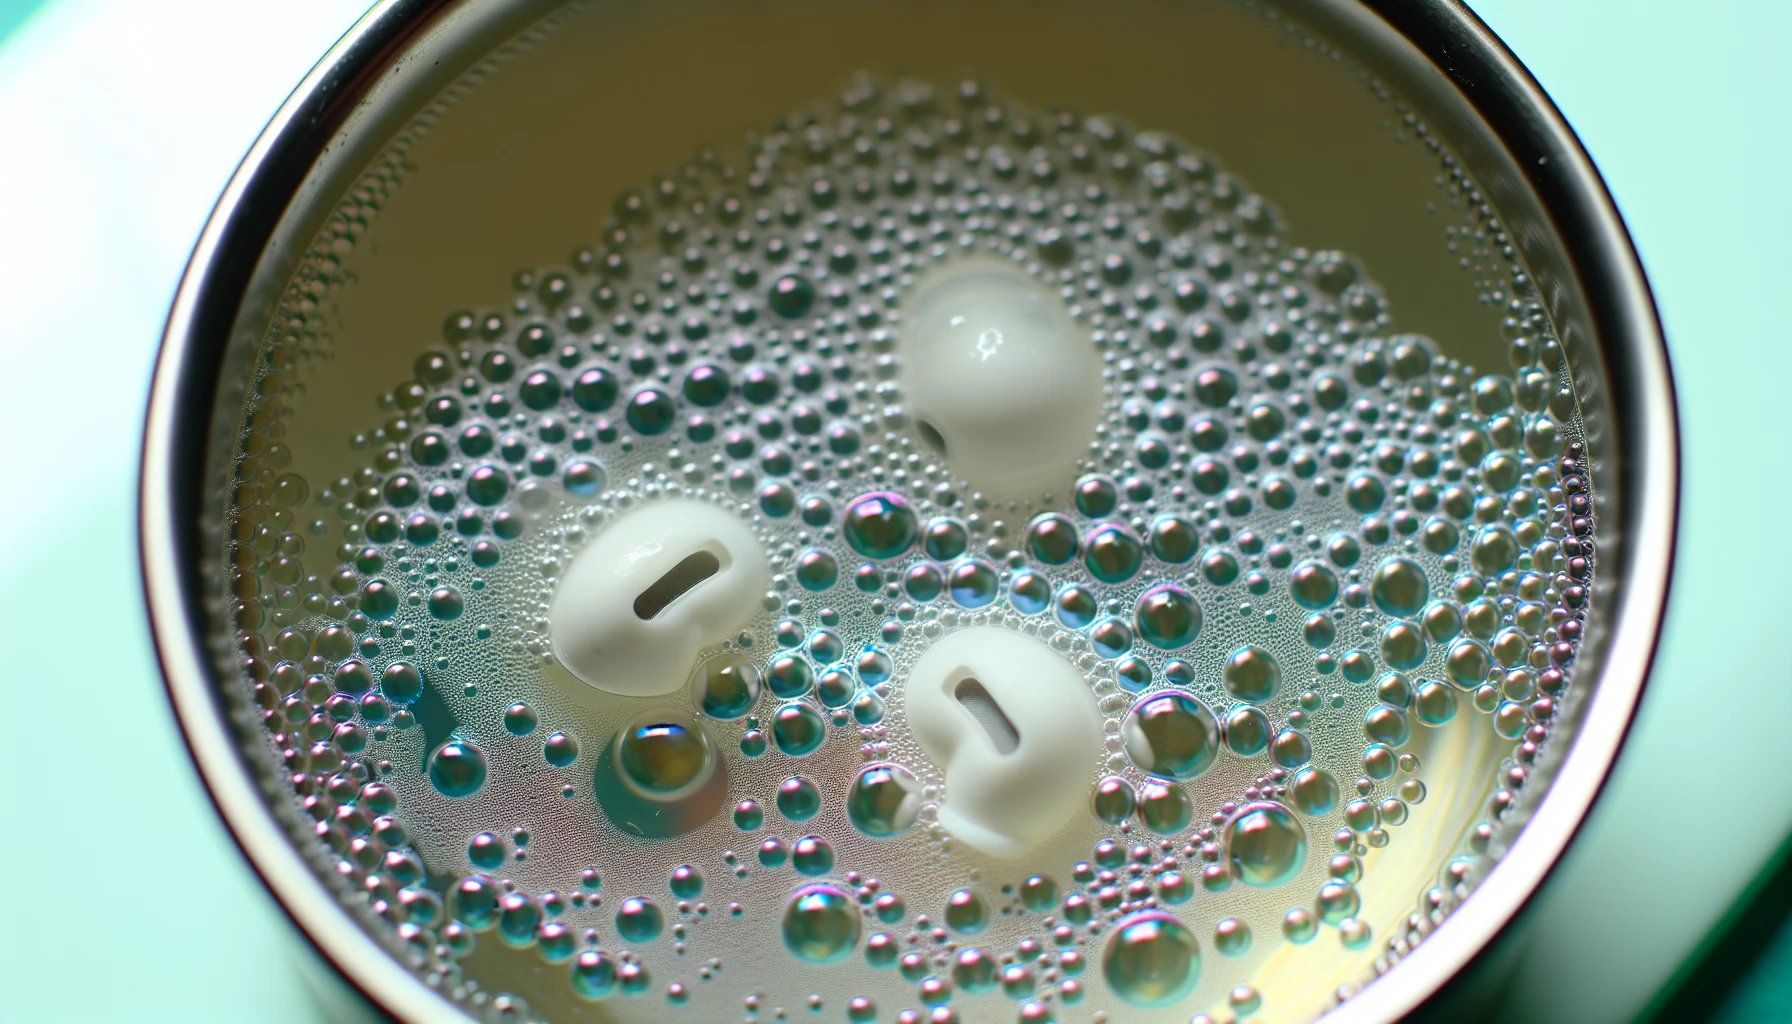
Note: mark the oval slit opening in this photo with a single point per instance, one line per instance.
(983, 707)
(678, 581)
(931, 436)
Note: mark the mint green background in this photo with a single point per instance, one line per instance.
(12, 12)
(120, 120)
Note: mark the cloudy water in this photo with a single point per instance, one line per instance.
(1058, 515)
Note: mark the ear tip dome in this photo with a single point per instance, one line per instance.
(1014, 728)
(1000, 380)
(654, 587)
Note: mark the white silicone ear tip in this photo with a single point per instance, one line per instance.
(997, 374)
(652, 589)
(1015, 729)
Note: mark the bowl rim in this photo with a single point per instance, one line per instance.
(1452, 39)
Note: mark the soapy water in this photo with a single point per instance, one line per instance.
(631, 613)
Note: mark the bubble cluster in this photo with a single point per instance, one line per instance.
(1299, 550)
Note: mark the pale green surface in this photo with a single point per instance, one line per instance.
(14, 12)
(119, 124)
(123, 119)
(1686, 110)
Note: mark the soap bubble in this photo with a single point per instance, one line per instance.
(1399, 587)
(1251, 674)
(879, 525)
(664, 754)
(1171, 734)
(726, 687)
(1151, 959)
(457, 769)
(884, 800)
(821, 924)
(1265, 845)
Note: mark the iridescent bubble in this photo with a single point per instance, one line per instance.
(1403, 645)
(1219, 567)
(772, 852)
(1299, 925)
(1387, 725)
(1174, 888)
(639, 920)
(797, 729)
(880, 525)
(1494, 549)
(826, 647)
(1319, 631)
(1112, 554)
(1076, 607)
(402, 683)
(1168, 617)
(1038, 893)
(1364, 493)
(594, 974)
(487, 851)
(812, 855)
(1111, 638)
(1114, 800)
(560, 750)
(518, 917)
(1247, 730)
(748, 815)
(1468, 662)
(1433, 703)
(798, 799)
(974, 971)
(1173, 539)
(836, 688)
(457, 768)
(664, 753)
(445, 603)
(789, 676)
(817, 570)
(1290, 748)
(884, 800)
(1151, 959)
(1052, 539)
(1313, 791)
(791, 296)
(1440, 536)
(686, 883)
(973, 583)
(1172, 734)
(520, 719)
(1313, 585)
(868, 708)
(1232, 937)
(966, 912)
(475, 901)
(881, 949)
(1164, 807)
(354, 678)
(821, 924)
(1265, 845)
(1337, 901)
(726, 687)
(1442, 621)
(1029, 593)
(651, 411)
(1252, 675)
(874, 666)
(1399, 587)
(924, 582)
(379, 599)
